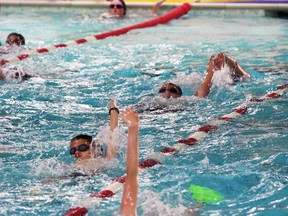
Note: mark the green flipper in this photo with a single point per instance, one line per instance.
(205, 195)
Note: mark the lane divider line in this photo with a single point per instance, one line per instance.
(158, 158)
(173, 14)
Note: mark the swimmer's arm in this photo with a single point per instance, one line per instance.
(111, 147)
(216, 63)
(235, 67)
(205, 86)
(155, 7)
(129, 197)
(2, 76)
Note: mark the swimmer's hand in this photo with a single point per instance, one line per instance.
(112, 103)
(130, 117)
(154, 9)
(217, 63)
(236, 68)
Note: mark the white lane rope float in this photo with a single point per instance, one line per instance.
(173, 14)
(159, 157)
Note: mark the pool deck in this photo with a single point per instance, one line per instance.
(149, 3)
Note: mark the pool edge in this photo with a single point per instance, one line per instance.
(101, 3)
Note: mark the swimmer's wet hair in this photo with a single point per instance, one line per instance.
(22, 39)
(19, 37)
(82, 136)
(124, 6)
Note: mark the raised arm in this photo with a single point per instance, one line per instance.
(129, 197)
(113, 112)
(155, 7)
(236, 69)
(205, 86)
(216, 63)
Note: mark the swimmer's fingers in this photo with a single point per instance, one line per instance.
(130, 117)
(237, 69)
(129, 114)
(154, 9)
(211, 62)
(112, 103)
(219, 61)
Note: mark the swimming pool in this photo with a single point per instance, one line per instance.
(245, 160)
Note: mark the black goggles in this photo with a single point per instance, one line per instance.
(117, 6)
(171, 90)
(81, 148)
(9, 41)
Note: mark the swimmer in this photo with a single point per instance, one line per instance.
(85, 149)
(171, 90)
(13, 43)
(89, 154)
(129, 196)
(117, 8)
(14, 73)
(15, 39)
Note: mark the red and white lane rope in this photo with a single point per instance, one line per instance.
(159, 157)
(173, 14)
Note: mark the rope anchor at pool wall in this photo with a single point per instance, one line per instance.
(159, 157)
(173, 14)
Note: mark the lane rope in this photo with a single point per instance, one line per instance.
(159, 157)
(173, 14)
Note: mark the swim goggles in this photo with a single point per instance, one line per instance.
(172, 90)
(117, 6)
(9, 41)
(81, 148)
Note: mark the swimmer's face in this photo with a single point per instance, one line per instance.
(80, 148)
(13, 39)
(116, 8)
(169, 90)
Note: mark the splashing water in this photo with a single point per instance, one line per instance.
(244, 160)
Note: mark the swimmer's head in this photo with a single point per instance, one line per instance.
(15, 38)
(15, 73)
(2, 76)
(80, 146)
(170, 90)
(117, 8)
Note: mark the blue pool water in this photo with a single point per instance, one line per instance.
(245, 160)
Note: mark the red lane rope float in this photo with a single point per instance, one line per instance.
(159, 157)
(173, 14)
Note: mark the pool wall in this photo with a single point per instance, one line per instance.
(278, 9)
(283, 5)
